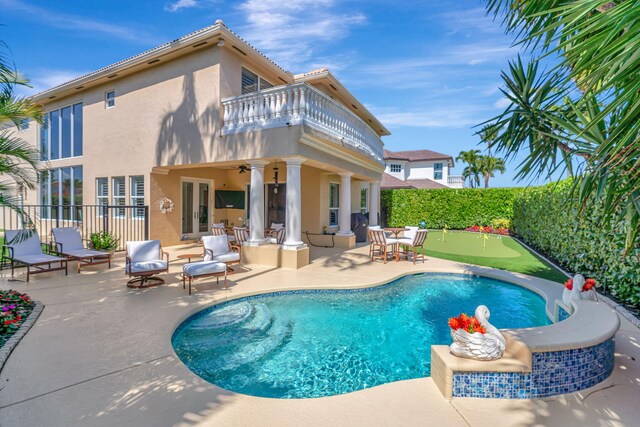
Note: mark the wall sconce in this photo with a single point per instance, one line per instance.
(275, 179)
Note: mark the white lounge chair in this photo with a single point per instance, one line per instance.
(410, 244)
(145, 259)
(379, 245)
(25, 249)
(68, 242)
(216, 248)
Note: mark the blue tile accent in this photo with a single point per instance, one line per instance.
(562, 314)
(553, 373)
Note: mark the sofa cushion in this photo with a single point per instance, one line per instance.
(228, 257)
(199, 268)
(144, 250)
(141, 267)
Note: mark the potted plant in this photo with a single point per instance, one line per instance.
(579, 288)
(104, 241)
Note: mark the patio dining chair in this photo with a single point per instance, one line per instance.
(220, 230)
(278, 238)
(68, 242)
(241, 235)
(410, 245)
(379, 245)
(145, 259)
(23, 249)
(217, 248)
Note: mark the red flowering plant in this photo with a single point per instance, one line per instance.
(588, 284)
(488, 229)
(467, 323)
(14, 308)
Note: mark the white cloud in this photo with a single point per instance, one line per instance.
(43, 79)
(291, 31)
(66, 21)
(180, 4)
(434, 116)
(502, 103)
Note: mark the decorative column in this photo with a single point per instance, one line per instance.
(256, 219)
(293, 236)
(345, 204)
(374, 202)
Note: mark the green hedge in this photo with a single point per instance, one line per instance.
(457, 208)
(578, 239)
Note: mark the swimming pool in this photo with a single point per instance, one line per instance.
(303, 344)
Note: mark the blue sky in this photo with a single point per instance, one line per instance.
(430, 70)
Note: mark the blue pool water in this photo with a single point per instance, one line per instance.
(305, 344)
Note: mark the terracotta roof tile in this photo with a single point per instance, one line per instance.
(416, 155)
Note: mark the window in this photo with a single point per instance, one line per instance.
(395, 168)
(137, 195)
(118, 189)
(24, 124)
(364, 201)
(252, 83)
(437, 171)
(102, 191)
(110, 99)
(62, 189)
(334, 204)
(61, 133)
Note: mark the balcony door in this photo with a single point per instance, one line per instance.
(196, 207)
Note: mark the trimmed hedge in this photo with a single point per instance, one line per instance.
(578, 239)
(457, 208)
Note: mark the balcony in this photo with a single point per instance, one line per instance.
(455, 181)
(299, 104)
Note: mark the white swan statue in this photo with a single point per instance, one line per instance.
(487, 346)
(575, 293)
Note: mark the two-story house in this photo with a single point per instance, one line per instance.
(419, 169)
(210, 126)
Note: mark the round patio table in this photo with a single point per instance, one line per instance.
(396, 230)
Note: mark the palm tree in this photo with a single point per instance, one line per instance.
(489, 133)
(18, 159)
(471, 171)
(488, 165)
(584, 110)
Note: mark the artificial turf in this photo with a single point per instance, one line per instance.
(501, 252)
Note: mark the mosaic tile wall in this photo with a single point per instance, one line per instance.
(555, 372)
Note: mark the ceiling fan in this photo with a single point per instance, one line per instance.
(243, 169)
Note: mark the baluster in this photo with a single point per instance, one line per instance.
(225, 116)
(296, 102)
(289, 103)
(261, 108)
(245, 112)
(304, 106)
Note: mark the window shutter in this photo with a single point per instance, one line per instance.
(249, 81)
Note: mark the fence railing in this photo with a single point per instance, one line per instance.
(126, 223)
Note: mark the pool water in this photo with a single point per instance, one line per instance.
(306, 344)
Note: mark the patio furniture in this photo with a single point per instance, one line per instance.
(278, 239)
(410, 244)
(189, 256)
(379, 245)
(144, 260)
(68, 242)
(216, 248)
(241, 235)
(320, 234)
(396, 230)
(200, 269)
(220, 230)
(25, 249)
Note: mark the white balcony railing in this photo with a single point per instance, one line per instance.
(455, 181)
(295, 104)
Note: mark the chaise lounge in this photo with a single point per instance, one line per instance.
(68, 243)
(25, 249)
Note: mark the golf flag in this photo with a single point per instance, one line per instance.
(485, 241)
(444, 231)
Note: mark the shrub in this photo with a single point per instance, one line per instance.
(578, 238)
(103, 241)
(501, 223)
(455, 208)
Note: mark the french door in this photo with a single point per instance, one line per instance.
(196, 207)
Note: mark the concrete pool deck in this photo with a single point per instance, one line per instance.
(100, 354)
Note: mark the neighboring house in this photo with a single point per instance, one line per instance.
(223, 132)
(419, 169)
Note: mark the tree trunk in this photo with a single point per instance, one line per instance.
(486, 180)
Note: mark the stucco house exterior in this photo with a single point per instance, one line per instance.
(419, 169)
(214, 126)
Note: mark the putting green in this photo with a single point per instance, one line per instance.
(502, 252)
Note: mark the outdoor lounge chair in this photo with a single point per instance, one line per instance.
(278, 239)
(379, 245)
(410, 244)
(26, 250)
(216, 248)
(68, 243)
(144, 260)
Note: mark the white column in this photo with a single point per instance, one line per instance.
(345, 204)
(256, 219)
(374, 202)
(293, 237)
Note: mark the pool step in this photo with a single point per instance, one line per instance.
(261, 320)
(226, 316)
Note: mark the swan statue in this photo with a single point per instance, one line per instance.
(575, 293)
(479, 346)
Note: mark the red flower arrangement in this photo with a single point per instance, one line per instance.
(588, 284)
(467, 323)
(14, 308)
(488, 229)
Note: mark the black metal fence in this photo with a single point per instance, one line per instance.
(126, 223)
